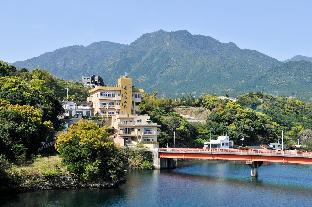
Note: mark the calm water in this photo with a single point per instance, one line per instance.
(198, 184)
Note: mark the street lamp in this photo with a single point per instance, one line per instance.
(242, 139)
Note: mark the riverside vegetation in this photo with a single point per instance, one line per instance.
(85, 156)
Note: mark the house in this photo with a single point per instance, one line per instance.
(84, 109)
(275, 146)
(73, 109)
(70, 108)
(223, 142)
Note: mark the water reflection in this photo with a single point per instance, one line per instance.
(195, 184)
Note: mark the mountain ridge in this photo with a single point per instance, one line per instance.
(300, 58)
(174, 63)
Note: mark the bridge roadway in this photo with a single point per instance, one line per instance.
(250, 155)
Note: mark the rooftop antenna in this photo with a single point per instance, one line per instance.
(126, 74)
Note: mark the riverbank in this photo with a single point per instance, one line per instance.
(46, 173)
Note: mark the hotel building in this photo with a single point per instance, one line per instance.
(119, 104)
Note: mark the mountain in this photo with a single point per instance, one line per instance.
(173, 63)
(300, 58)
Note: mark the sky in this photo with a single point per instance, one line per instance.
(279, 28)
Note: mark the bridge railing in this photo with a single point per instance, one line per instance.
(263, 152)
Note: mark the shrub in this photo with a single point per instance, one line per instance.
(140, 159)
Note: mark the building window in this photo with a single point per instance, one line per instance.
(148, 131)
(107, 94)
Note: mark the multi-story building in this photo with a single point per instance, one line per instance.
(123, 98)
(133, 129)
(120, 105)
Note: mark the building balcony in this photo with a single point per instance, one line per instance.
(109, 107)
(139, 124)
(116, 98)
(122, 133)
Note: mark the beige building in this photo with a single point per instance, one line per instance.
(134, 129)
(120, 105)
(120, 99)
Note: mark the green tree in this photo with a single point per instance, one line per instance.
(6, 69)
(22, 129)
(88, 152)
(34, 93)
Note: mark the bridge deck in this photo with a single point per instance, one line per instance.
(286, 156)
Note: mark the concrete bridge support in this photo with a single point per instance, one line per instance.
(254, 165)
(163, 163)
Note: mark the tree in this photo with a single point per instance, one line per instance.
(33, 92)
(6, 69)
(306, 138)
(89, 153)
(22, 129)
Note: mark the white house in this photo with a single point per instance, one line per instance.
(73, 109)
(223, 142)
(276, 146)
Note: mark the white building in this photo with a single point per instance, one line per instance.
(223, 142)
(72, 109)
(276, 146)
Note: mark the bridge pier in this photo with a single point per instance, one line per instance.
(254, 167)
(163, 163)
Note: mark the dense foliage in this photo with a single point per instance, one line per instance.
(255, 117)
(161, 112)
(29, 109)
(28, 112)
(178, 62)
(139, 159)
(88, 152)
(22, 130)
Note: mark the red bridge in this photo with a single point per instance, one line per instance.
(252, 157)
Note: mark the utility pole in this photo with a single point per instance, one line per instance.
(210, 141)
(67, 94)
(174, 138)
(282, 140)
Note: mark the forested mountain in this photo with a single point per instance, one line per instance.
(174, 63)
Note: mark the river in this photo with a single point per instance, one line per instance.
(204, 183)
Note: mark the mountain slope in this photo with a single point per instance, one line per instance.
(74, 61)
(171, 63)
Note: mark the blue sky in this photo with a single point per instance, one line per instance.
(279, 28)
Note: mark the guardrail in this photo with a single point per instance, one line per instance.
(260, 152)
